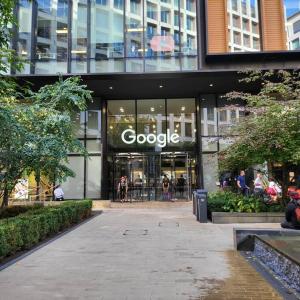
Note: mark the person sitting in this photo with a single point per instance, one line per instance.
(291, 218)
(58, 193)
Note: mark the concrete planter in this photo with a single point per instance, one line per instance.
(236, 217)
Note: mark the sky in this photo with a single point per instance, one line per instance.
(292, 6)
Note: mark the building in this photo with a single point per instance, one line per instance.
(158, 70)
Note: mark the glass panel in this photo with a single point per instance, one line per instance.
(162, 30)
(151, 123)
(52, 37)
(134, 31)
(181, 120)
(79, 124)
(243, 28)
(210, 144)
(210, 171)
(121, 117)
(209, 125)
(93, 146)
(107, 36)
(79, 36)
(74, 187)
(188, 35)
(24, 38)
(93, 123)
(229, 113)
(93, 177)
(292, 23)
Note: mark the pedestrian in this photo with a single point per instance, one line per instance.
(258, 185)
(122, 188)
(292, 212)
(241, 183)
(58, 193)
(165, 187)
(181, 185)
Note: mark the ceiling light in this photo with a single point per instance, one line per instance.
(211, 85)
(175, 130)
(140, 29)
(161, 86)
(154, 131)
(153, 126)
(177, 125)
(182, 108)
(110, 87)
(78, 51)
(110, 127)
(121, 109)
(152, 108)
(130, 126)
(62, 31)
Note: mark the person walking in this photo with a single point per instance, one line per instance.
(180, 185)
(241, 183)
(122, 188)
(165, 187)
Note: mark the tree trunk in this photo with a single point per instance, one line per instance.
(38, 185)
(5, 197)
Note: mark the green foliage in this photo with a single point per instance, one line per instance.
(27, 229)
(230, 202)
(271, 131)
(13, 211)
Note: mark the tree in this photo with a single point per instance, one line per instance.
(36, 132)
(270, 132)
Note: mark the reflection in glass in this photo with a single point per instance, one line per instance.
(107, 37)
(93, 177)
(121, 116)
(52, 37)
(24, 38)
(93, 123)
(79, 37)
(79, 124)
(243, 25)
(151, 119)
(209, 124)
(292, 22)
(181, 120)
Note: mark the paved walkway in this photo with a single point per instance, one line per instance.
(137, 254)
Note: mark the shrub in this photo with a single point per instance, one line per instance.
(225, 201)
(27, 229)
(12, 211)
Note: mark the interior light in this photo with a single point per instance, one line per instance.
(177, 125)
(110, 87)
(62, 31)
(161, 86)
(154, 131)
(121, 109)
(139, 29)
(175, 130)
(211, 85)
(152, 108)
(130, 126)
(182, 108)
(153, 126)
(110, 127)
(78, 51)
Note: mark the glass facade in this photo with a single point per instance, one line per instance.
(82, 36)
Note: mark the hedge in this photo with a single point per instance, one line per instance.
(12, 211)
(27, 229)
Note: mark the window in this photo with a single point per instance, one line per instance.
(246, 25)
(176, 19)
(295, 44)
(237, 38)
(151, 13)
(296, 27)
(244, 7)
(176, 37)
(101, 2)
(234, 5)
(189, 23)
(118, 4)
(62, 8)
(164, 16)
(246, 41)
(236, 21)
(190, 5)
(135, 6)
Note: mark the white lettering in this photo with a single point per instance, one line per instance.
(132, 137)
(129, 136)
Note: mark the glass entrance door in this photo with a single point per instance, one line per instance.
(145, 174)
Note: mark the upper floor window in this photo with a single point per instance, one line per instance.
(44, 5)
(101, 2)
(165, 16)
(118, 4)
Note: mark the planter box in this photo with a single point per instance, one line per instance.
(236, 217)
